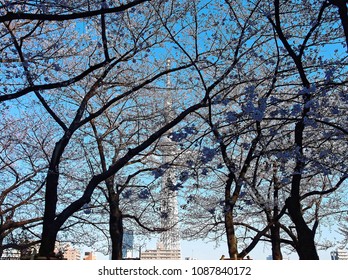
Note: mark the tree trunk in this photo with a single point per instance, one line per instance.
(115, 216)
(275, 237)
(231, 235)
(49, 231)
(48, 241)
(116, 229)
(306, 246)
(115, 220)
(1, 248)
(229, 221)
(275, 228)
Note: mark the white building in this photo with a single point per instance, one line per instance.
(160, 254)
(339, 254)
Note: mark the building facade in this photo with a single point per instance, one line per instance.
(339, 254)
(127, 244)
(161, 254)
(89, 256)
(72, 254)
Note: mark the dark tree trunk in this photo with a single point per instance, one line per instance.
(115, 216)
(305, 246)
(275, 237)
(275, 228)
(1, 248)
(116, 230)
(49, 231)
(343, 12)
(115, 219)
(48, 241)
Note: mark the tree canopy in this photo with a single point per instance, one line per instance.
(245, 102)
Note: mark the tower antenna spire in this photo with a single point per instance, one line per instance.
(168, 66)
(168, 99)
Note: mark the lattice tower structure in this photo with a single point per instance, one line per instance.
(169, 239)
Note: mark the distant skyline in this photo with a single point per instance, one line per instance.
(203, 250)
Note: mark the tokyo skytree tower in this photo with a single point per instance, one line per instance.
(169, 239)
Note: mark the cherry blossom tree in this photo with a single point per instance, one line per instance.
(284, 109)
(24, 146)
(257, 112)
